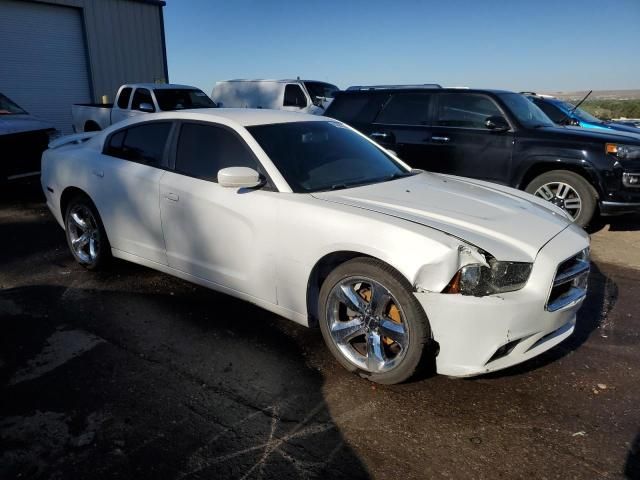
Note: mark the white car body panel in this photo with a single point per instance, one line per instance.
(262, 246)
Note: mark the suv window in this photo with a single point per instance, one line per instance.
(294, 96)
(464, 110)
(142, 95)
(553, 112)
(123, 99)
(203, 150)
(406, 109)
(142, 144)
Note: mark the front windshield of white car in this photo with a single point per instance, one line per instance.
(317, 155)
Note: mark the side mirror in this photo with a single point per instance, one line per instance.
(146, 108)
(318, 101)
(239, 177)
(496, 123)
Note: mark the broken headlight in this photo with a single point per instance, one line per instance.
(480, 280)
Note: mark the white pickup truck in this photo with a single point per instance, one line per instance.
(135, 99)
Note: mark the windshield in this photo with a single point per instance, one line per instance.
(321, 89)
(8, 107)
(314, 156)
(181, 99)
(579, 113)
(525, 111)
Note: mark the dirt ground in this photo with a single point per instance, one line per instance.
(130, 373)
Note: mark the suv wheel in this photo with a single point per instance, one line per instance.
(567, 190)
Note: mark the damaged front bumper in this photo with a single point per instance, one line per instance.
(478, 335)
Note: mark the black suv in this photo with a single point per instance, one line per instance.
(501, 137)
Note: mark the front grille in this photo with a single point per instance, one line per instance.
(570, 282)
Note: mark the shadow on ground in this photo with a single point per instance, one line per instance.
(191, 384)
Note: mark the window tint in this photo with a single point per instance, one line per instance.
(203, 150)
(123, 99)
(464, 110)
(356, 107)
(142, 95)
(553, 112)
(294, 96)
(179, 99)
(406, 109)
(143, 144)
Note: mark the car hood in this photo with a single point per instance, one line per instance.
(509, 224)
(21, 123)
(592, 134)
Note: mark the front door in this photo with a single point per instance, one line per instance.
(461, 144)
(223, 235)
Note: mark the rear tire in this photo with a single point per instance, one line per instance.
(372, 323)
(568, 190)
(85, 233)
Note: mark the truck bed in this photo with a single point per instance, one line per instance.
(98, 105)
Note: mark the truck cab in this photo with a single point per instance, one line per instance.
(136, 99)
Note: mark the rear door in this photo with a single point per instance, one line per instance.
(403, 125)
(140, 96)
(127, 177)
(460, 142)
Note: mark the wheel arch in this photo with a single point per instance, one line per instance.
(91, 126)
(539, 168)
(321, 270)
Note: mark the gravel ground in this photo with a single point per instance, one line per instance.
(130, 373)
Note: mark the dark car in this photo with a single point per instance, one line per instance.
(562, 112)
(501, 137)
(23, 138)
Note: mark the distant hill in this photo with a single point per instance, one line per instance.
(598, 95)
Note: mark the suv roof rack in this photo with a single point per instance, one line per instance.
(393, 87)
(541, 95)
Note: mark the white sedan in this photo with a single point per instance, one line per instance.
(309, 219)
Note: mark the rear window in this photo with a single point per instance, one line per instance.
(356, 107)
(123, 99)
(406, 109)
(141, 144)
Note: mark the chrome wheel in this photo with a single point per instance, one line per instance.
(562, 195)
(84, 233)
(367, 324)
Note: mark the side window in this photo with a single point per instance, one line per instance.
(294, 96)
(141, 95)
(406, 109)
(551, 111)
(142, 144)
(123, 99)
(203, 150)
(464, 110)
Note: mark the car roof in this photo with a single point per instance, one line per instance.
(241, 116)
(160, 86)
(423, 90)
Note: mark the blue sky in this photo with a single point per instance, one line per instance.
(519, 45)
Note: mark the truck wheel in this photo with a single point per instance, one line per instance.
(372, 323)
(567, 190)
(91, 127)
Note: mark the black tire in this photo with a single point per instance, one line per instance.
(92, 127)
(585, 191)
(96, 254)
(417, 354)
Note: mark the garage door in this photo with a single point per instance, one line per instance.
(43, 66)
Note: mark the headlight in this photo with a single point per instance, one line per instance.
(624, 152)
(480, 280)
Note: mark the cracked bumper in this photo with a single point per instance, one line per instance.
(478, 335)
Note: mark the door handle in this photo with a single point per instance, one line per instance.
(440, 139)
(98, 173)
(379, 135)
(172, 196)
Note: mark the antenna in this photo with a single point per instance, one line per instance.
(580, 102)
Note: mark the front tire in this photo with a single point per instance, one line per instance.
(569, 191)
(371, 321)
(85, 233)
